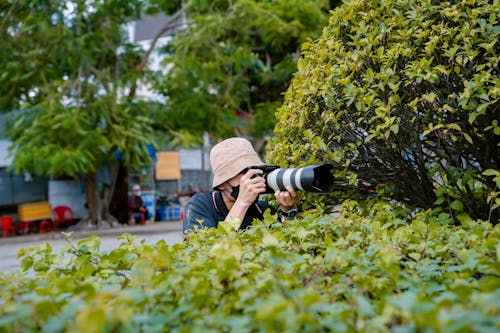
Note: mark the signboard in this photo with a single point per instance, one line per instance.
(167, 166)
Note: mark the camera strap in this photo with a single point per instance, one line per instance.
(218, 202)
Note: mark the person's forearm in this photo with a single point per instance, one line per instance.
(237, 214)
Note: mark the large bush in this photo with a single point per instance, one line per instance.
(403, 95)
(351, 273)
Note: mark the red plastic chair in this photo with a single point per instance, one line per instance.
(62, 214)
(134, 216)
(7, 227)
(45, 226)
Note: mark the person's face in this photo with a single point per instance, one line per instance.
(231, 187)
(137, 192)
(235, 181)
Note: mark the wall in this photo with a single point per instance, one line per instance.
(68, 193)
(15, 189)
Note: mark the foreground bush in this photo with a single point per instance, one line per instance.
(404, 95)
(377, 272)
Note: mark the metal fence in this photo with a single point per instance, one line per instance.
(191, 180)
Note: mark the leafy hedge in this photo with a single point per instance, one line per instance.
(404, 96)
(375, 269)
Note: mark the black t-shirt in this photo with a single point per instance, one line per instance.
(206, 210)
(135, 203)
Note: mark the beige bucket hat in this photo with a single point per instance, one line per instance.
(231, 156)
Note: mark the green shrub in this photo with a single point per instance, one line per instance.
(403, 96)
(378, 273)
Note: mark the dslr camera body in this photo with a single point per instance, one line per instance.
(313, 178)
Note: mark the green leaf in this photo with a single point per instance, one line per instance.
(491, 172)
(91, 320)
(365, 308)
(27, 263)
(468, 138)
(465, 220)
(457, 205)
(394, 128)
(269, 240)
(41, 266)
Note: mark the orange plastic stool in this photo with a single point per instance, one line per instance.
(45, 226)
(7, 227)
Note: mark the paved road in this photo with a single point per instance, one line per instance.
(171, 232)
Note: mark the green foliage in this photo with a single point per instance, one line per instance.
(372, 268)
(71, 141)
(228, 67)
(403, 98)
(67, 70)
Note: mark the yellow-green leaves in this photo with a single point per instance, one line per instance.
(226, 249)
(372, 265)
(400, 93)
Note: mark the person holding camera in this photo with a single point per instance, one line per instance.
(236, 190)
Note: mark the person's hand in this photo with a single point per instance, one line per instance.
(287, 199)
(250, 188)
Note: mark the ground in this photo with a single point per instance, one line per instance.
(171, 232)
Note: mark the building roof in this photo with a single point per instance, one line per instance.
(148, 26)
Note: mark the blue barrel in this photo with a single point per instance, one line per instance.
(161, 211)
(173, 213)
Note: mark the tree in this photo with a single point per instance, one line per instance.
(231, 62)
(402, 95)
(68, 80)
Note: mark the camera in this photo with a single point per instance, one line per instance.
(313, 178)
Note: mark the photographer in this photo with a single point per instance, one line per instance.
(236, 190)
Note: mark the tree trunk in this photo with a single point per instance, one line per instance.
(100, 197)
(106, 194)
(105, 201)
(119, 197)
(92, 195)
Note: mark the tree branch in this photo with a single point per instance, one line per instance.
(9, 13)
(168, 25)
